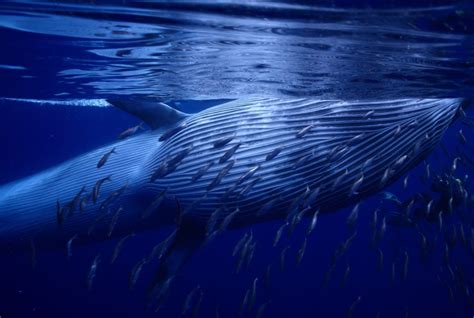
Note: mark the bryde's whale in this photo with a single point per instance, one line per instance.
(237, 163)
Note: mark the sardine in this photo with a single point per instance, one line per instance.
(129, 131)
(114, 220)
(353, 307)
(312, 223)
(352, 218)
(304, 131)
(217, 180)
(299, 256)
(189, 299)
(248, 174)
(162, 171)
(405, 182)
(279, 234)
(201, 171)
(155, 204)
(356, 139)
(380, 260)
(223, 141)
(84, 201)
(355, 187)
(96, 189)
(211, 223)
(346, 275)
(244, 303)
(119, 246)
(229, 153)
(339, 179)
(69, 246)
(369, 114)
(311, 198)
(59, 213)
(227, 220)
(171, 132)
(261, 309)
(135, 272)
(240, 243)
(405, 266)
(249, 187)
(92, 271)
(113, 196)
(105, 157)
(275, 152)
(462, 138)
(253, 294)
(267, 207)
(282, 257)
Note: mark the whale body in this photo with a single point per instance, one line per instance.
(329, 145)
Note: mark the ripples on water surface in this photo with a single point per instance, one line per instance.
(218, 50)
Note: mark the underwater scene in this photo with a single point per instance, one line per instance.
(237, 158)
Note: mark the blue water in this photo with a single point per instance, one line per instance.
(61, 59)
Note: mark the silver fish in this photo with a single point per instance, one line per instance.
(69, 246)
(114, 220)
(299, 256)
(223, 141)
(155, 204)
(405, 266)
(201, 171)
(282, 257)
(227, 220)
(380, 260)
(275, 152)
(160, 172)
(119, 246)
(356, 139)
(129, 131)
(267, 207)
(92, 271)
(248, 174)
(240, 243)
(369, 114)
(353, 306)
(346, 275)
(105, 157)
(313, 222)
(249, 187)
(189, 299)
(261, 309)
(171, 132)
(355, 187)
(135, 272)
(279, 233)
(253, 294)
(352, 218)
(97, 186)
(229, 153)
(304, 131)
(405, 182)
(215, 182)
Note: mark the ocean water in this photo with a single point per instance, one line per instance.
(61, 60)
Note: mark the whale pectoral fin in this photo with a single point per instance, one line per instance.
(188, 239)
(153, 112)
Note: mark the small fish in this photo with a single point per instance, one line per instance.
(217, 180)
(248, 174)
(339, 179)
(450, 205)
(346, 275)
(352, 218)
(440, 220)
(275, 152)
(119, 246)
(267, 207)
(279, 234)
(353, 306)
(135, 272)
(427, 172)
(244, 303)
(201, 171)
(129, 131)
(428, 208)
(84, 201)
(400, 161)
(253, 294)
(211, 223)
(162, 171)
(393, 272)
(267, 276)
(390, 197)
(155, 204)
(373, 225)
(405, 182)
(355, 139)
(229, 153)
(383, 228)
(189, 299)
(92, 271)
(113, 196)
(282, 257)
(409, 207)
(178, 157)
(261, 309)
(228, 219)
(462, 138)
(355, 187)
(75, 201)
(299, 256)
(197, 304)
(313, 222)
(59, 213)
(69, 246)
(462, 234)
(397, 131)
(304, 131)
(368, 114)
(97, 186)
(311, 198)
(302, 160)
(454, 164)
(385, 177)
(105, 157)
(114, 220)
(171, 132)
(240, 244)
(380, 260)
(249, 187)
(223, 141)
(405, 266)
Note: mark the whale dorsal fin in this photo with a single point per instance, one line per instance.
(154, 113)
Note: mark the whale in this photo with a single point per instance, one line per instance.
(241, 162)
